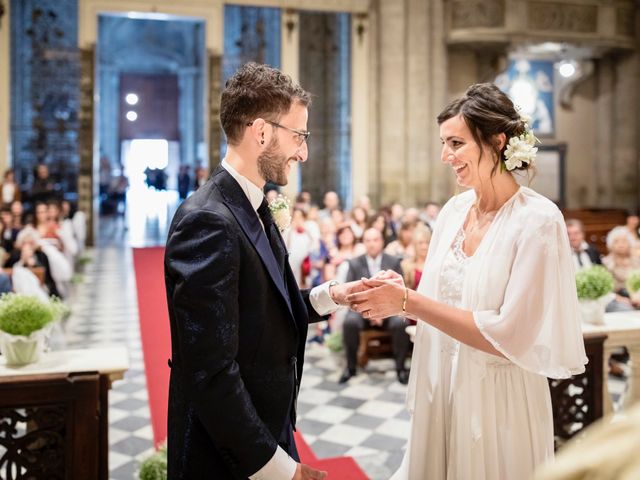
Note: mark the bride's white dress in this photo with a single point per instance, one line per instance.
(478, 416)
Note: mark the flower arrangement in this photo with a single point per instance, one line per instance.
(521, 149)
(155, 466)
(280, 209)
(633, 286)
(593, 283)
(334, 342)
(25, 314)
(25, 325)
(633, 282)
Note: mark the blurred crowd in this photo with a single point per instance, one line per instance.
(41, 237)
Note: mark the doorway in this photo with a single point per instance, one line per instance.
(150, 83)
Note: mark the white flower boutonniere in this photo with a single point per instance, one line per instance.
(521, 149)
(280, 209)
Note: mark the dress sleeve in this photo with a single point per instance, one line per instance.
(538, 326)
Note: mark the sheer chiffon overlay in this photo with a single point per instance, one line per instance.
(475, 415)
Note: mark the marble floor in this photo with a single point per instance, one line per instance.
(365, 419)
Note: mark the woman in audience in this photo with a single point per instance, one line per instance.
(347, 248)
(379, 222)
(17, 210)
(9, 233)
(27, 253)
(497, 307)
(46, 226)
(10, 189)
(403, 246)
(299, 245)
(359, 219)
(633, 222)
(412, 266)
(620, 261)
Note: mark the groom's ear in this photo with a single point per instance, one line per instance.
(258, 132)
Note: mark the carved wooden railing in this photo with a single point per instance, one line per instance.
(54, 427)
(577, 401)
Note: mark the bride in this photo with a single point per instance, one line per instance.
(497, 304)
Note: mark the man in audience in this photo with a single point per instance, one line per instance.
(331, 202)
(584, 255)
(430, 214)
(368, 265)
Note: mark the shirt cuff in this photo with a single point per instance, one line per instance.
(321, 300)
(280, 467)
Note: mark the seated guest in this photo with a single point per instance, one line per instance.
(412, 267)
(584, 255)
(9, 232)
(46, 227)
(619, 261)
(633, 221)
(17, 210)
(42, 189)
(368, 265)
(27, 252)
(402, 246)
(10, 189)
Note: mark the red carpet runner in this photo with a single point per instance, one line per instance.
(156, 346)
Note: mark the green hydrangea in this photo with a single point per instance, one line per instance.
(593, 282)
(633, 281)
(155, 466)
(24, 314)
(334, 341)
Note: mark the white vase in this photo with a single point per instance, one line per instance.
(21, 349)
(593, 310)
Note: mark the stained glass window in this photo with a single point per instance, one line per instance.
(45, 90)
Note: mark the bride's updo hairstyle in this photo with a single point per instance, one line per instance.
(487, 111)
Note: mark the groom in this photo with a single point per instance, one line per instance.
(238, 320)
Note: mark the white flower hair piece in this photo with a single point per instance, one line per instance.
(280, 208)
(521, 149)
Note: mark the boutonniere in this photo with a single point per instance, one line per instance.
(280, 209)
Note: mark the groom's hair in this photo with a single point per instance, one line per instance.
(257, 91)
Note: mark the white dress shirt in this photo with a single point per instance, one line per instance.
(281, 466)
(581, 258)
(374, 264)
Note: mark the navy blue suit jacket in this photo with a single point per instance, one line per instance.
(238, 332)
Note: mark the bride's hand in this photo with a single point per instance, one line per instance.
(389, 275)
(384, 299)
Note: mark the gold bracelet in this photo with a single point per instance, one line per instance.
(404, 300)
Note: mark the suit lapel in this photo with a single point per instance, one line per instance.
(247, 218)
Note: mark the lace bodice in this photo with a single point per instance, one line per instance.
(453, 270)
(451, 280)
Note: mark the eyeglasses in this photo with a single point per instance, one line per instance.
(301, 136)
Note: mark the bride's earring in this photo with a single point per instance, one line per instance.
(262, 141)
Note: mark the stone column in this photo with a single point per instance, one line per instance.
(187, 111)
(624, 122)
(109, 110)
(602, 161)
(87, 191)
(5, 90)
(290, 64)
(412, 74)
(361, 106)
(215, 129)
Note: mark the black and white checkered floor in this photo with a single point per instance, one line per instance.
(365, 419)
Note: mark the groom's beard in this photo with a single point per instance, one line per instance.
(272, 164)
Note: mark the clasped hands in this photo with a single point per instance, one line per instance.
(375, 298)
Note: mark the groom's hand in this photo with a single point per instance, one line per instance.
(340, 291)
(304, 472)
